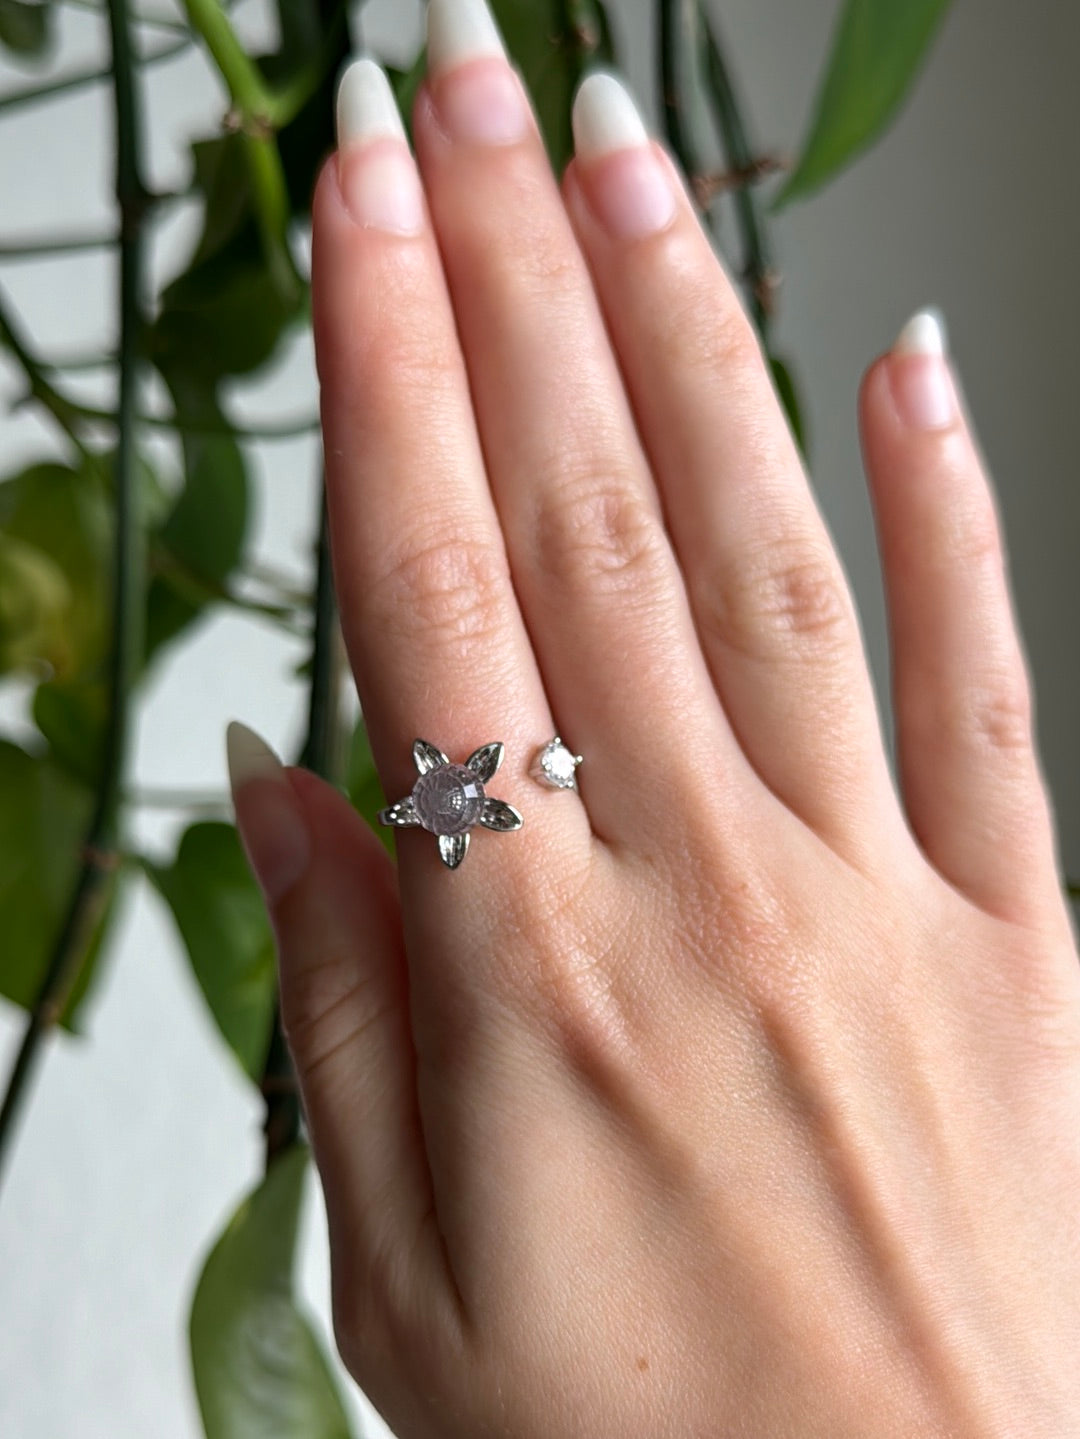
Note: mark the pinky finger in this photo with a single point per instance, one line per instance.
(969, 771)
(331, 893)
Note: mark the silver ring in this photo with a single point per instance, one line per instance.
(556, 765)
(448, 799)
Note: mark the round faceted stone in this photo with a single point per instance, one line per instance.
(448, 799)
(558, 765)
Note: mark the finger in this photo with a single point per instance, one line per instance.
(329, 888)
(967, 759)
(772, 607)
(433, 629)
(592, 566)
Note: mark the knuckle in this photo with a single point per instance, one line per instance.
(573, 987)
(1000, 714)
(449, 589)
(330, 1012)
(595, 534)
(782, 599)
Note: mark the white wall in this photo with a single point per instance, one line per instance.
(140, 1138)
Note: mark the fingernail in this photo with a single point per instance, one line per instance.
(922, 386)
(376, 171)
(479, 104)
(268, 814)
(631, 192)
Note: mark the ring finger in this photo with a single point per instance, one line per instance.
(775, 616)
(598, 582)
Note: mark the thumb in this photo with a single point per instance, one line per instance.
(331, 893)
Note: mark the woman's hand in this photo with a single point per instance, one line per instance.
(729, 1097)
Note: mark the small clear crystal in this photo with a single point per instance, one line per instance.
(558, 765)
(448, 799)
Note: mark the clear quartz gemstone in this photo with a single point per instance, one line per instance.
(448, 799)
(558, 764)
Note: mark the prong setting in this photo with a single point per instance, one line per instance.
(556, 765)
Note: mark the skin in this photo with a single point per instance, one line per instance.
(739, 1094)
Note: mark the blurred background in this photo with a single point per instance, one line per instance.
(140, 1137)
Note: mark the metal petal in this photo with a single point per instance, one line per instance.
(426, 757)
(486, 760)
(402, 815)
(501, 816)
(453, 848)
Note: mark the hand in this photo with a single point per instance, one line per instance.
(730, 1096)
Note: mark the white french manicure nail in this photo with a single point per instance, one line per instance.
(366, 107)
(460, 30)
(376, 170)
(632, 193)
(924, 334)
(919, 374)
(477, 104)
(249, 756)
(605, 117)
(268, 815)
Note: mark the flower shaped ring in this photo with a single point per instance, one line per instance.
(448, 799)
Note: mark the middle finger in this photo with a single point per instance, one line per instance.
(598, 583)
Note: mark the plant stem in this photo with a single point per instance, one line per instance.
(187, 800)
(157, 22)
(78, 78)
(322, 753)
(289, 99)
(586, 24)
(90, 897)
(52, 246)
(758, 271)
(285, 430)
(254, 116)
(200, 591)
(64, 411)
(670, 14)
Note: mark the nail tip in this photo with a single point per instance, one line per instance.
(248, 755)
(924, 334)
(365, 105)
(461, 30)
(605, 115)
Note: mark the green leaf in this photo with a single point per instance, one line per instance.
(259, 1370)
(35, 601)
(223, 175)
(207, 527)
(224, 315)
(43, 819)
(203, 538)
(65, 516)
(72, 716)
(223, 923)
(25, 29)
(789, 398)
(362, 783)
(877, 49)
(552, 42)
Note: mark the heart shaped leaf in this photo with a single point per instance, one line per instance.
(259, 1370)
